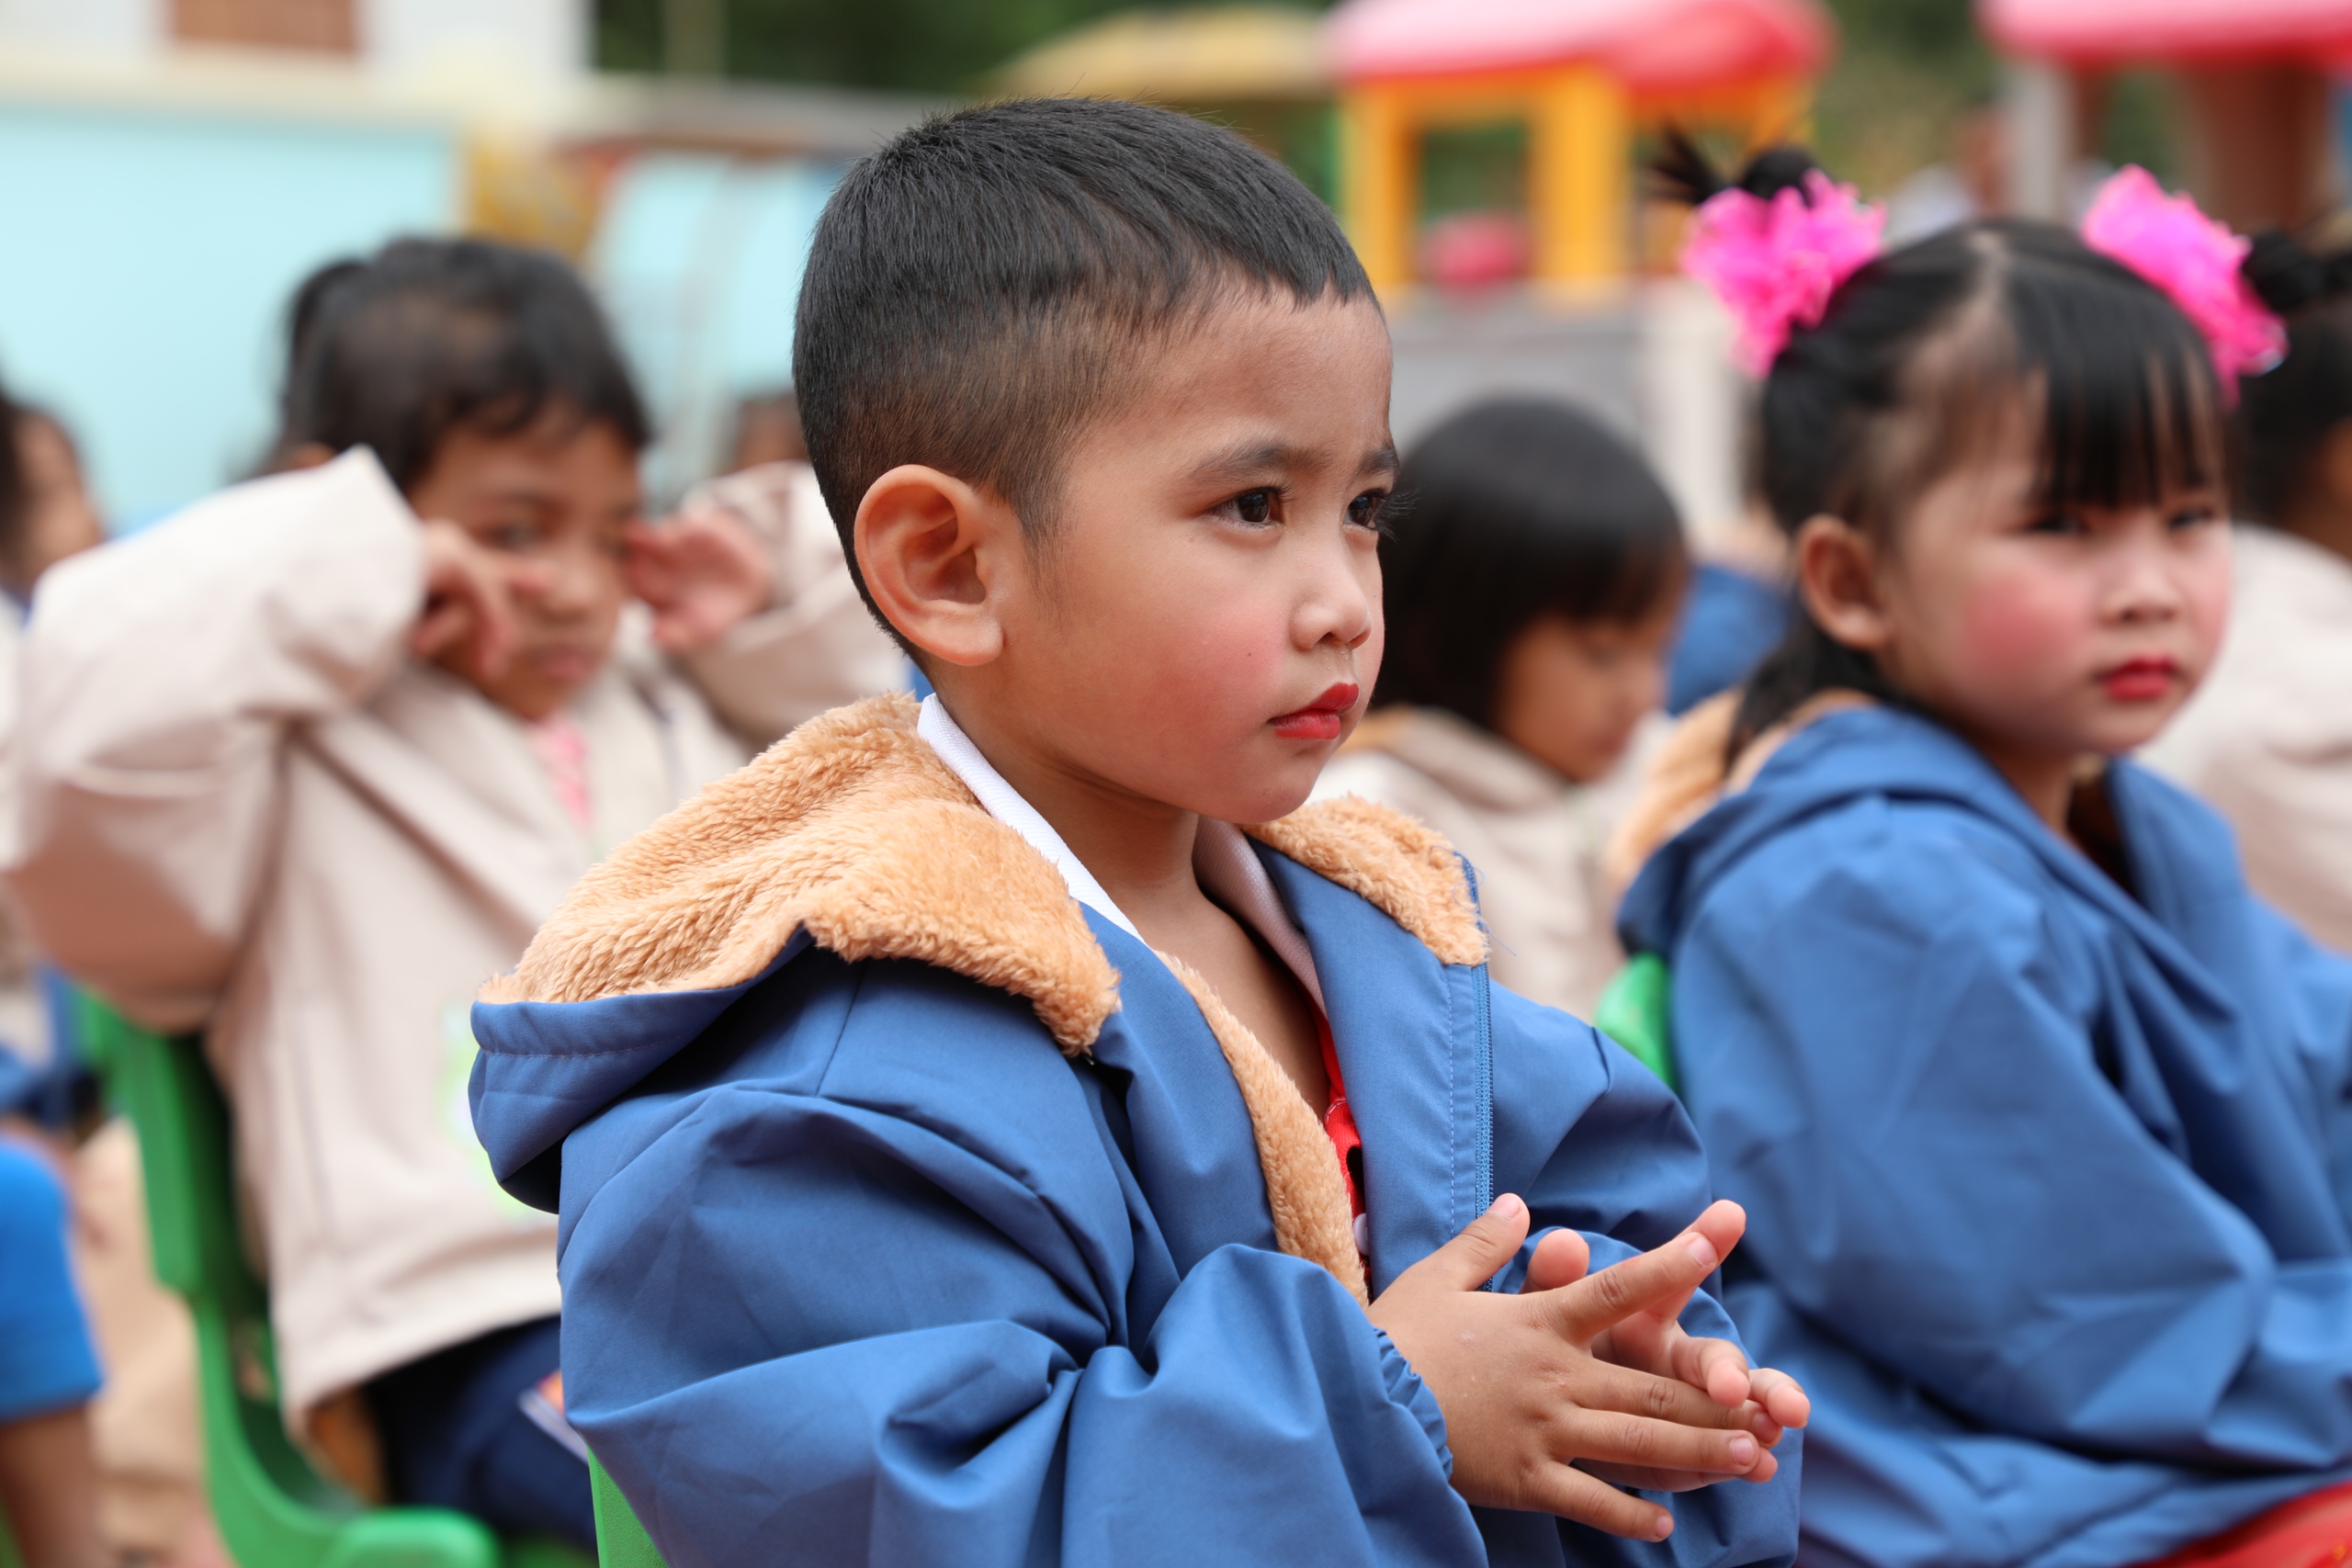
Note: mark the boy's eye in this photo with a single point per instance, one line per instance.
(1254, 505)
(1364, 509)
(512, 537)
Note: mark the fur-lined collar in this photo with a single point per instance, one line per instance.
(852, 829)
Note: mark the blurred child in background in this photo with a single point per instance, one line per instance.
(49, 1472)
(301, 765)
(2038, 1114)
(1532, 579)
(49, 1483)
(2269, 738)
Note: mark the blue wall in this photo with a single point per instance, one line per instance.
(149, 260)
(700, 257)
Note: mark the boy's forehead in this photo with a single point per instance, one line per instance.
(1256, 382)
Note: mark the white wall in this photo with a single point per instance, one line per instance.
(96, 27)
(543, 38)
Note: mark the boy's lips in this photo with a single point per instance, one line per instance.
(2141, 680)
(1321, 719)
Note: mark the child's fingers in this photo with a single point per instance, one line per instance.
(1634, 1393)
(1722, 1223)
(1562, 1257)
(1715, 1365)
(1646, 1442)
(1571, 1494)
(1472, 1258)
(1581, 1311)
(1781, 1396)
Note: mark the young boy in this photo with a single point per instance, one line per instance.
(300, 765)
(973, 1148)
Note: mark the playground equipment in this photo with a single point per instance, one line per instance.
(1258, 68)
(1584, 76)
(2255, 79)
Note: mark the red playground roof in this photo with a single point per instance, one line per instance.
(2092, 31)
(1650, 45)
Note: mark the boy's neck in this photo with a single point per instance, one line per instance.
(1140, 851)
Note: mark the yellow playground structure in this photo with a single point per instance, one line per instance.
(1584, 78)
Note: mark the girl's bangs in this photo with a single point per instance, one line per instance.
(2131, 409)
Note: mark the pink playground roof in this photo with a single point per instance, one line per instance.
(2093, 30)
(1651, 45)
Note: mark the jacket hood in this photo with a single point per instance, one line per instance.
(850, 834)
(1845, 754)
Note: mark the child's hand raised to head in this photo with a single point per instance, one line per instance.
(701, 571)
(1580, 1378)
(469, 612)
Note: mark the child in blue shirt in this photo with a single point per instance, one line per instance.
(48, 1373)
(2038, 1116)
(970, 1144)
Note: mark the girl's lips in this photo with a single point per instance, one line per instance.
(2141, 680)
(1321, 719)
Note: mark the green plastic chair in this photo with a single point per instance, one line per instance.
(621, 1539)
(273, 1510)
(1634, 1011)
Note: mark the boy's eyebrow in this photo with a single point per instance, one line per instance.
(1247, 460)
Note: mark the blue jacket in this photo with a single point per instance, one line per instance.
(860, 1268)
(2046, 1183)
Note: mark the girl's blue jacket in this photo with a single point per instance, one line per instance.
(860, 1268)
(2046, 1179)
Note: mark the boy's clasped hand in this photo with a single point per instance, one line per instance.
(1585, 1379)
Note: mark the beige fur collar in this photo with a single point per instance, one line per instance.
(851, 829)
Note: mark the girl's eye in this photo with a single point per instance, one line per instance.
(514, 537)
(2195, 517)
(2065, 524)
(1364, 509)
(1254, 505)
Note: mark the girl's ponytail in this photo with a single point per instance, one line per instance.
(2285, 416)
(2291, 277)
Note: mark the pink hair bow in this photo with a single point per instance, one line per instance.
(1774, 263)
(2195, 260)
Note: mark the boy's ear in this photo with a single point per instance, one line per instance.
(1837, 570)
(935, 554)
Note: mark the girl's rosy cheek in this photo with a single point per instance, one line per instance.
(2022, 622)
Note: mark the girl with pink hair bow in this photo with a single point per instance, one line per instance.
(2041, 1118)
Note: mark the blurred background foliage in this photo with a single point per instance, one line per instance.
(1907, 72)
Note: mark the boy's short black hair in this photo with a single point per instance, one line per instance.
(1514, 509)
(429, 336)
(979, 288)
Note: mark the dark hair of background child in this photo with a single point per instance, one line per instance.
(1914, 369)
(1511, 510)
(980, 288)
(15, 489)
(430, 336)
(2285, 416)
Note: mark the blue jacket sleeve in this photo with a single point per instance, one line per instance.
(1945, 1112)
(1596, 1144)
(800, 1328)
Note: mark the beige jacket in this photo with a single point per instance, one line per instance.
(240, 806)
(2269, 738)
(1535, 839)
